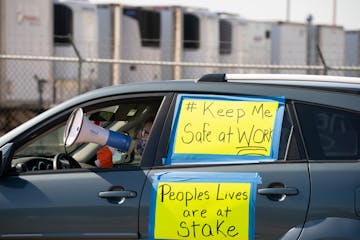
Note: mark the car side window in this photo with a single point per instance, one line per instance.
(288, 146)
(329, 133)
(132, 117)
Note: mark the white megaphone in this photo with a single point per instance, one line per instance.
(79, 129)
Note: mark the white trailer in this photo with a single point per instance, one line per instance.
(188, 35)
(332, 44)
(26, 29)
(140, 40)
(327, 42)
(128, 33)
(232, 41)
(352, 51)
(200, 40)
(331, 40)
(75, 35)
(289, 45)
(258, 45)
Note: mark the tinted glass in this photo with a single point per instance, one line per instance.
(225, 37)
(149, 24)
(63, 23)
(330, 133)
(191, 31)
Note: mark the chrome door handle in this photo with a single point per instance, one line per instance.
(117, 194)
(278, 191)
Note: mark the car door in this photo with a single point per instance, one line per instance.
(282, 197)
(86, 203)
(68, 204)
(332, 139)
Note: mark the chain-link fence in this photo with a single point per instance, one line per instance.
(30, 84)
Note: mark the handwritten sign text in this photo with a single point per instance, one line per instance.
(226, 127)
(210, 210)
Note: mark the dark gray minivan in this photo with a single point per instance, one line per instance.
(229, 156)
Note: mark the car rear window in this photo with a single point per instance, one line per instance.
(329, 133)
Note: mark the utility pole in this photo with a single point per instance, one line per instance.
(288, 10)
(178, 26)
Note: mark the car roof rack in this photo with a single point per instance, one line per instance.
(213, 77)
(222, 77)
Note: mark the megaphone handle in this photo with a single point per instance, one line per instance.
(119, 141)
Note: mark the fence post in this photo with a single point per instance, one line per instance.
(178, 28)
(326, 67)
(117, 43)
(40, 87)
(80, 62)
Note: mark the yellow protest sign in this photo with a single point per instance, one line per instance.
(202, 210)
(228, 127)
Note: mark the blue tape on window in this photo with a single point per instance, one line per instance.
(207, 204)
(225, 129)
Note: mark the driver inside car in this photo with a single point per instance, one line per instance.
(108, 156)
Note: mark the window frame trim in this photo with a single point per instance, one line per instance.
(163, 144)
(43, 127)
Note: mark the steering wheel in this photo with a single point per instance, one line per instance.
(60, 157)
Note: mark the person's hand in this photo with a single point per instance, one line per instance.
(104, 158)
